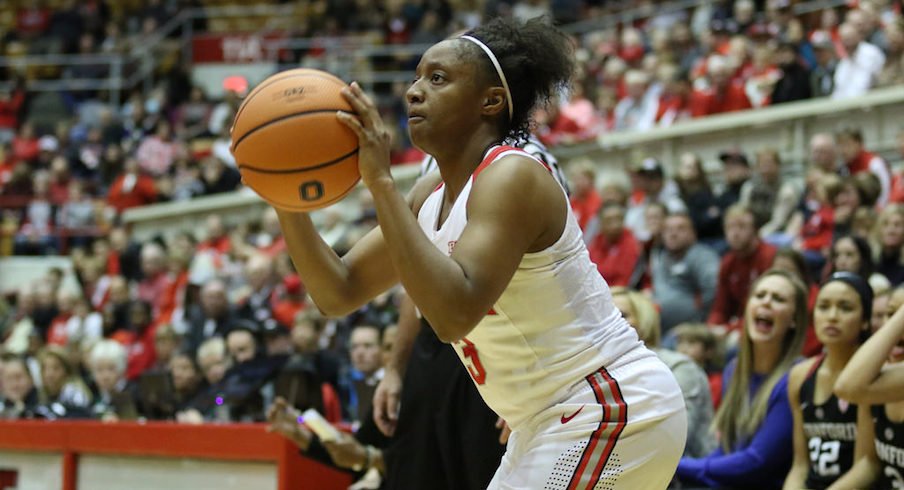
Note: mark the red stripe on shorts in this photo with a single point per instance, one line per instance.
(590, 458)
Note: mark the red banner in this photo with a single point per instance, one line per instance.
(237, 47)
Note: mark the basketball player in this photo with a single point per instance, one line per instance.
(826, 436)
(494, 260)
(439, 427)
(875, 376)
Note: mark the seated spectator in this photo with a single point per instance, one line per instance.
(720, 93)
(76, 216)
(18, 396)
(794, 82)
(112, 400)
(585, 200)
(36, 235)
(702, 205)
(822, 75)
(212, 317)
(156, 279)
(887, 242)
(213, 359)
(19, 325)
(291, 300)
(755, 448)
(366, 370)
(859, 160)
(255, 300)
(893, 71)
(85, 326)
(852, 253)
(306, 338)
(614, 250)
(815, 239)
(25, 143)
(131, 188)
(697, 341)
(190, 392)
(62, 389)
(772, 198)
(683, 274)
(673, 103)
(860, 65)
(216, 177)
(58, 334)
(736, 172)
(166, 343)
(157, 153)
(641, 313)
(747, 258)
(242, 385)
(637, 110)
(138, 338)
(652, 186)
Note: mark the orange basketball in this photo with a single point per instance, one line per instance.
(288, 144)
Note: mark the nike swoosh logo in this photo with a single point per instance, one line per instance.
(565, 419)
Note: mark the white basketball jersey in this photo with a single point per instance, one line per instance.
(554, 324)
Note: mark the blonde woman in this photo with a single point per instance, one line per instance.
(887, 240)
(754, 421)
(641, 313)
(62, 389)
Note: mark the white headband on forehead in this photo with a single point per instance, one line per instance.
(486, 49)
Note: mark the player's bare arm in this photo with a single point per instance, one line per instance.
(866, 380)
(341, 285)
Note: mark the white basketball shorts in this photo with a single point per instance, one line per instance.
(622, 428)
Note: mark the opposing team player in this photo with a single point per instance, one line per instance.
(826, 441)
(875, 376)
(494, 260)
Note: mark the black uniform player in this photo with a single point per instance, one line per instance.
(830, 429)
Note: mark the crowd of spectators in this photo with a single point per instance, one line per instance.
(215, 325)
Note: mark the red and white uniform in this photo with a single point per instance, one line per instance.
(586, 401)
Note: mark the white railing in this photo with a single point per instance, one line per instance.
(787, 127)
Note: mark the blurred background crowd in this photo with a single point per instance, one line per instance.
(212, 324)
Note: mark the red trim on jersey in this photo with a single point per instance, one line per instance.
(588, 454)
(492, 312)
(495, 152)
(815, 365)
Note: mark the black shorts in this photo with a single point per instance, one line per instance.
(446, 437)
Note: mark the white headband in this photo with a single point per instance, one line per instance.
(486, 49)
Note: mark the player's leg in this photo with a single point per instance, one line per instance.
(624, 429)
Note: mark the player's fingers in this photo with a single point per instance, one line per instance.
(500, 423)
(392, 406)
(362, 105)
(352, 122)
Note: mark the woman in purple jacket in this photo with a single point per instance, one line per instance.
(754, 423)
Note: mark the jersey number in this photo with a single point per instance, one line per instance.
(475, 368)
(824, 456)
(893, 474)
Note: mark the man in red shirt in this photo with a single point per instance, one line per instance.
(722, 94)
(614, 250)
(131, 188)
(747, 258)
(857, 160)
